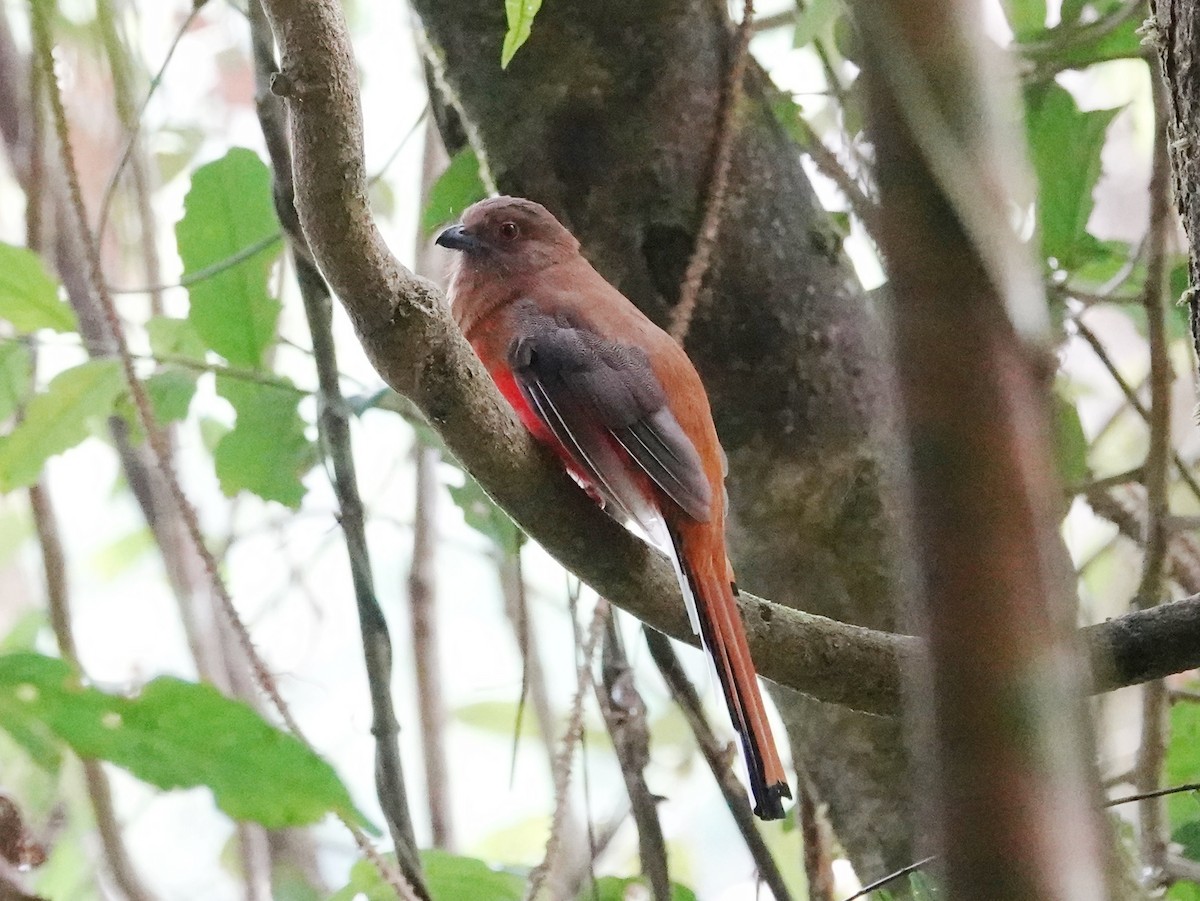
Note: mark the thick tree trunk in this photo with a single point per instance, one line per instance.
(1177, 37)
(607, 116)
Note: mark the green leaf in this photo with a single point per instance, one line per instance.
(455, 190)
(1183, 766)
(176, 734)
(1055, 123)
(814, 21)
(1070, 445)
(29, 296)
(16, 376)
(1025, 17)
(482, 515)
(520, 15)
(57, 419)
(267, 451)
(171, 391)
(228, 209)
(174, 338)
(448, 876)
(616, 888)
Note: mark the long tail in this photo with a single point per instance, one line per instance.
(724, 637)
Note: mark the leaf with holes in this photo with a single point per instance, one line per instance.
(520, 15)
(57, 419)
(29, 296)
(176, 734)
(267, 451)
(229, 209)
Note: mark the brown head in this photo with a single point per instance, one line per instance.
(509, 236)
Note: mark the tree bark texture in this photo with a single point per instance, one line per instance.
(607, 116)
(1176, 32)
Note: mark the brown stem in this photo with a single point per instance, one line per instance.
(718, 185)
(717, 756)
(624, 714)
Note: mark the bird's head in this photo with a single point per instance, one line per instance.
(509, 235)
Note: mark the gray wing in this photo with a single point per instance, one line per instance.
(595, 395)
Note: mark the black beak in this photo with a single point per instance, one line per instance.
(456, 237)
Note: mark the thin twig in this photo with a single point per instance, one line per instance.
(880, 883)
(717, 756)
(624, 714)
(1102, 354)
(706, 239)
(422, 602)
(131, 141)
(334, 427)
(54, 564)
(208, 271)
(44, 52)
(99, 791)
(1152, 751)
(1122, 509)
(828, 164)
(422, 573)
(566, 753)
(816, 842)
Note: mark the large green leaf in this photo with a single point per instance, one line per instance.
(28, 296)
(1065, 145)
(171, 391)
(520, 15)
(176, 734)
(448, 876)
(16, 375)
(267, 451)
(228, 209)
(455, 190)
(58, 419)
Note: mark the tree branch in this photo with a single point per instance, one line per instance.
(407, 332)
(333, 424)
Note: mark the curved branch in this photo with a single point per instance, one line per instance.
(405, 327)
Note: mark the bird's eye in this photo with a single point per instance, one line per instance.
(509, 230)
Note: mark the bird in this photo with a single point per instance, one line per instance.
(622, 407)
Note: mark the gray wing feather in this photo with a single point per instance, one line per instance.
(591, 392)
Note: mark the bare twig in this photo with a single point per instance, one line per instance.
(99, 791)
(1124, 510)
(334, 427)
(717, 757)
(891, 877)
(1184, 471)
(816, 840)
(422, 574)
(1152, 752)
(625, 716)
(828, 164)
(131, 141)
(710, 224)
(54, 563)
(566, 752)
